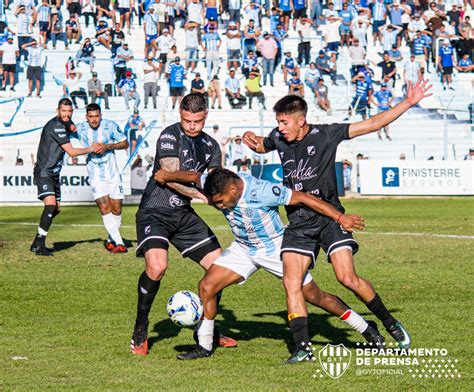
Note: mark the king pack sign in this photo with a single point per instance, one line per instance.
(427, 178)
(17, 185)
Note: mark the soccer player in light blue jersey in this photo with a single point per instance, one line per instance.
(250, 206)
(104, 175)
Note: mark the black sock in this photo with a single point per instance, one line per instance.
(147, 289)
(44, 225)
(378, 308)
(299, 329)
(218, 298)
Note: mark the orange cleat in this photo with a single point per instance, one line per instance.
(225, 341)
(139, 349)
(120, 249)
(109, 245)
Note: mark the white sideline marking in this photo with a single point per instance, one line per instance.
(226, 228)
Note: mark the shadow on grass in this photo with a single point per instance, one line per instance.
(64, 245)
(320, 329)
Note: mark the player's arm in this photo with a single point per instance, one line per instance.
(183, 177)
(415, 94)
(254, 142)
(171, 164)
(348, 221)
(74, 152)
(109, 147)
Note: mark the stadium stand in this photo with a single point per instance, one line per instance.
(419, 134)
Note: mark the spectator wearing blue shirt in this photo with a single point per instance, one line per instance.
(379, 16)
(446, 63)
(396, 13)
(428, 41)
(124, 54)
(275, 19)
(135, 123)
(465, 64)
(384, 99)
(295, 86)
(289, 65)
(73, 29)
(345, 29)
(360, 101)
(279, 34)
(394, 54)
(249, 64)
(102, 33)
(86, 54)
(285, 8)
(128, 89)
(176, 75)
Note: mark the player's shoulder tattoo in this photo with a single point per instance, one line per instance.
(170, 163)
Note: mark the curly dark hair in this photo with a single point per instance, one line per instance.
(218, 180)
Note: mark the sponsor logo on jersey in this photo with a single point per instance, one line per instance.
(185, 153)
(207, 142)
(59, 130)
(390, 177)
(276, 191)
(300, 171)
(315, 130)
(167, 136)
(208, 157)
(45, 187)
(166, 146)
(311, 150)
(148, 230)
(175, 201)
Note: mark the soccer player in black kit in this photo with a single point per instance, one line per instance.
(53, 144)
(307, 152)
(165, 215)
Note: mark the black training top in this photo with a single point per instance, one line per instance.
(195, 154)
(50, 155)
(308, 165)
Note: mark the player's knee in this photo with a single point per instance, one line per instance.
(351, 281)
(155, 272)
(206, 289)
(292, 284)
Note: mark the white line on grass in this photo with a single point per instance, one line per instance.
(225, 228)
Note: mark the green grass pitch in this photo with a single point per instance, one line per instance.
(66, 321)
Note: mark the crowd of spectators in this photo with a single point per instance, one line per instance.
(438, 37)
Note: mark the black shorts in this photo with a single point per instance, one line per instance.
(286, 13)
(361, 107)
(123, 11)
(74, 8)
(162, 58)
(9, 68)
(181, 227)
(309, 235)
(447, 70)
(48, 186)
(297, 14)
(33, 73)
(44, 27)
(176, 91)
(133, 134)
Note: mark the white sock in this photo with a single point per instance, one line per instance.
(205, 332)
(111, 227)
(118, 222)
(355, 320)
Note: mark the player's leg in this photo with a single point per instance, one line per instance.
(343, 265)
(110, 222)
(295, 266)
(116, 210)
(334, 305)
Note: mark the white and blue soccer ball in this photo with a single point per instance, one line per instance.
(185, 308)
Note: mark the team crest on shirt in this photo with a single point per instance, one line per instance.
(208, 157)
(311, 150)
(45, 187)
(281, 154)
(298, 186)
(175, 201)
(185, 153)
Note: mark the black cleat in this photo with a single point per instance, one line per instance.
(139, 341)
(34, 247)
(373, 336)
(400, 335)
(218, 340)
(43, 251)
(301, 354)
(198, 353)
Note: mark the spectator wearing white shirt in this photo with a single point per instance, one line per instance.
(150, 88)
(332, 35)
(150, 27)
(71, 88)
(195, 12)
(232, 90)
(234, 37)
(34, 72)
(240, 153)
(359, 30)
(161, 11)
(304, 28)
(164, 43)
(389, 36)
(411, 73)
(191, 34)
(357, 55)
(10, 53)
(222, 139)
(124, 9)
(24, 28)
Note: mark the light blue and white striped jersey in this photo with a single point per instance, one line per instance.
(44, 13)
(101, 166)
(211, 41)
(255, 221)
(151, 24)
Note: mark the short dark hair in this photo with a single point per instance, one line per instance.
(93, 107)
(218, 180)
(64, 102)
(290, 104)
(194, 103)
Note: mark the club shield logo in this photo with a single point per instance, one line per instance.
(334, 360)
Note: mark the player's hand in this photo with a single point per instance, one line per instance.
(100, 148)
(160, 176)
(352, 222)
(250, 140)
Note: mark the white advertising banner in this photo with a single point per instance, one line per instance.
(430, 178)
(17, 184)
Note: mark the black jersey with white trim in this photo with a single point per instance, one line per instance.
(50, 155)
(308, 165)
(195, 154)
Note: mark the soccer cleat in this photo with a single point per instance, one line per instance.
(119, 249)
(400, 335)
(43, 251)
(34, 247)
(300, 355)
(197, 353)
(373, 336)
(218, 340)
(109, 245)
(139, 342)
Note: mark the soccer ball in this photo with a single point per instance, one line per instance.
(185, 308)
